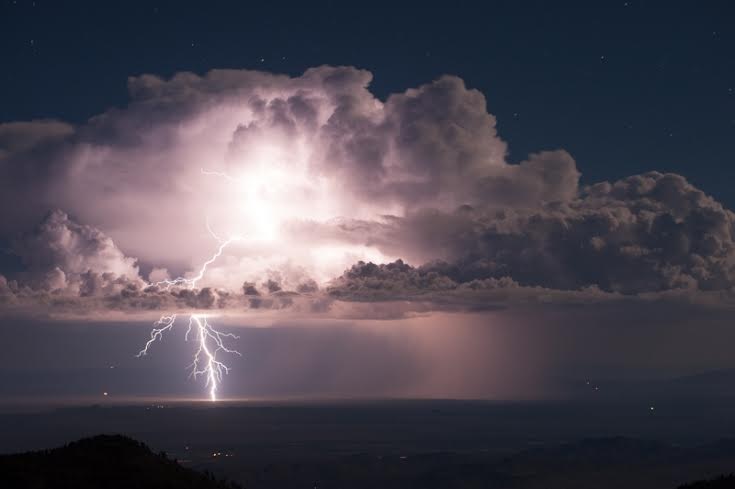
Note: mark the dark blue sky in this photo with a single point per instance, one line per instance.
(626, 87)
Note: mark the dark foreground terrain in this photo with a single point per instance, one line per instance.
(381, 444)
(105, 461)
(115, 461)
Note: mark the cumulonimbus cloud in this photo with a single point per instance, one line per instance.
(318, 178)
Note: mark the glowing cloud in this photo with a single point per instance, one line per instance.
(300, 178)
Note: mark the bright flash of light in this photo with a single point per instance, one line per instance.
(271, 187)
(263, 195)
(209, 341)
(265, 198)
(269, 199)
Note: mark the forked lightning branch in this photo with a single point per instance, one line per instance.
(210, 342)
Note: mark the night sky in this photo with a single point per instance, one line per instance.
(510, 200)
(625, 87)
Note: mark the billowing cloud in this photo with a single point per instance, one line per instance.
(63, 254)
(70, 267)
(322, 188)
(646, 233)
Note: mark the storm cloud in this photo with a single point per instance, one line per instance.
(338, 196)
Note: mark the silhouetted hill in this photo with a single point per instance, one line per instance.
(105, 461)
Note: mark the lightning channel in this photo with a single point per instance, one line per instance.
(210, 342)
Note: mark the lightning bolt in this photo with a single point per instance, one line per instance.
(205, 359)
(210, 341)
(191, 283)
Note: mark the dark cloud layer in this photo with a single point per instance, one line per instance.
(421, 176)
(645, 233)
